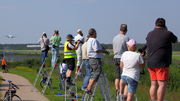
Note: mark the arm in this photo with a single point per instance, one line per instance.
(76, 45)
(142, 65)
(100, 51)
(121, 65)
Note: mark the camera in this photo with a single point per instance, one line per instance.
(143, 50)
(106, 52)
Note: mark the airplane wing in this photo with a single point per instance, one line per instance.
(6, 36)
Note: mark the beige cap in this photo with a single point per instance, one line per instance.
(79, 30)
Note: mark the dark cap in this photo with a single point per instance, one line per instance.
(70, 36)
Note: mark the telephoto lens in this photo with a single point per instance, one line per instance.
(107, 52)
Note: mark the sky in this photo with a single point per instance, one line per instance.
(28, 19)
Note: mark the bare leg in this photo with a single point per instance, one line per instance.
(125, 92)
(91, 83)
(121, 87)
(69, 73)
(130, 96)
(153, 90)
(161, 90)
(117, 83)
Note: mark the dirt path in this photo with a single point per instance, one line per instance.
(25, 88)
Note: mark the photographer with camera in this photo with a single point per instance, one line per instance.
(79, 37)
(55, 46)
(159, 54)
(131, 62)
(94, 53)
(44, 41)
(119, 47)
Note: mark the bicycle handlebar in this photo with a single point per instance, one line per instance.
(15, 86)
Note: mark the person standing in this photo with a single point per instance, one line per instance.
(159, 53)
(43, 41)
(94, 53)
(79, 36)
(69, 56)
(86, 64)
(3, 65)
(131, 62)
(119, 47)
(55, 46)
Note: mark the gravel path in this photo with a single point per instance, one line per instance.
(24, 91)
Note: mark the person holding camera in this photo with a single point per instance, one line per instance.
(44, 41)
(69, 56)
(119, 47)
(131, 62)
(159, 54)
(94, 53)
(55, 46)
(79, 37)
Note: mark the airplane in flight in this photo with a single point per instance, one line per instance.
(10, 36)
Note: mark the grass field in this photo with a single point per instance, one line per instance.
(142, 90)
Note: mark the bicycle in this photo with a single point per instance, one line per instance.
(10, 94)
(44, 78)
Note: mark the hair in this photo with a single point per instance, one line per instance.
(160, 22)
(44, 34)
(131, 48)
(56, 32)
(64, 61)
(123, 27)
(91, 31)
(87, 36)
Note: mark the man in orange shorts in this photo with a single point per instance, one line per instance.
(159, 55)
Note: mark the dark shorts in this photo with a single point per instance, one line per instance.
(71, 63)
(3, 67)
(118, 70)
(96, 68)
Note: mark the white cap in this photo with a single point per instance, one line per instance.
(79, 30)
(44, 33)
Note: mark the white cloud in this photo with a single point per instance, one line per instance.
(11, 7)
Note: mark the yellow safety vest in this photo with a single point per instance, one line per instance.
(68, 53)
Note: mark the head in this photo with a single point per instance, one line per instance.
(160, 22)
(123, 28)
(64, 61)
(132, 45)
(87, 37)
(70, 37)
(92, 33)
(56, 32)
(79, 31)
(44, 34)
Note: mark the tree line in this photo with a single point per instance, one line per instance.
(175, 47)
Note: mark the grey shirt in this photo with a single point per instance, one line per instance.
(46, 42)
(119, 45)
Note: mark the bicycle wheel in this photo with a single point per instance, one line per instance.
(6, 94)
(13, 98)
(41, 84)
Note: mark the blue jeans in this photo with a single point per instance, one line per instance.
(88, 74)
(131, 83)
(55, 52)
(44, 54)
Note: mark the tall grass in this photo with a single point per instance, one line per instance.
(107, 62)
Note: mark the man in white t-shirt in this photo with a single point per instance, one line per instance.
(79, 37)
(63, 68)
(130, 64)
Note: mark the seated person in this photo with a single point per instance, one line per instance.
(63, 68)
